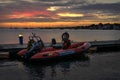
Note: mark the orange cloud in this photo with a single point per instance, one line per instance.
(70, 15)
(53, 8)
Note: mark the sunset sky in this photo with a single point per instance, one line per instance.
(57, 13)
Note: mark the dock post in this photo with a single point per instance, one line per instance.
(20, 39)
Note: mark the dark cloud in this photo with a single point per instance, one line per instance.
(113, 7)
(90, 8)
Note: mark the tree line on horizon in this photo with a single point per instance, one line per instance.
(100, 26)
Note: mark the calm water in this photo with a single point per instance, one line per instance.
(10, 36)
(102, 66)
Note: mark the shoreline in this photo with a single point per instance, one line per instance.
(100, 26)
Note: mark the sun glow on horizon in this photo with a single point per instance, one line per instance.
(46, 24)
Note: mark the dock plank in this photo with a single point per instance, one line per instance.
(111, 43)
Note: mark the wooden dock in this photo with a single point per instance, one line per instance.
(10, 47)
(103, 46)
(96, 46)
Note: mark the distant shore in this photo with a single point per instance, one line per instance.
(100, 26)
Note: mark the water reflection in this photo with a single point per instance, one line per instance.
(6, 63)
(57, 70)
